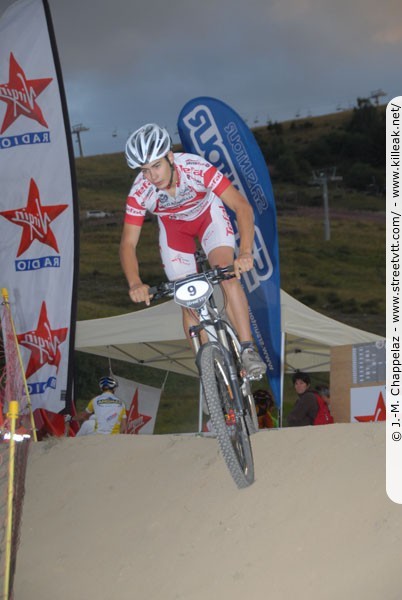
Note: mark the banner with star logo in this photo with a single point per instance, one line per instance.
(142, 403)
(367, 404)
(38, 202)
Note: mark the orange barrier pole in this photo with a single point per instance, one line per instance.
(12, 415)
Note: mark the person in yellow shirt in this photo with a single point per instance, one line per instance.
(106, 413)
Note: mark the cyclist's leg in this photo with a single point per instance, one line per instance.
(236, 301)
(237, 311)
(218, 242)
(177, 247)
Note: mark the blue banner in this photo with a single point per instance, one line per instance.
(211, 129)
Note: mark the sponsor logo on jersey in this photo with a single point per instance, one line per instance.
(43, 343)
(180, 258)
(135, 212)
(216, 179)
(229, 228)
(192, 212)
(140, 191)
(20, 95)
(166, 201)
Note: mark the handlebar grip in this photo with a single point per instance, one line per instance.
(153, 290)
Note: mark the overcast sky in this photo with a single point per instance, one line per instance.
(126, 63)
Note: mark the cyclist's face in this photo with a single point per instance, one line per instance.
(158, 172)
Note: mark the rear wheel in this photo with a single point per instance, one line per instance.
(228, 422)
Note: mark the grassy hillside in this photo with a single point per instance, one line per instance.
(343, 278)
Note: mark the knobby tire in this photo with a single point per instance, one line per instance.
(233, 439)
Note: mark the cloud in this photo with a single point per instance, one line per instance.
(125, 63)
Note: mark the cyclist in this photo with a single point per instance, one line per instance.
(105, 413)
(188, 195)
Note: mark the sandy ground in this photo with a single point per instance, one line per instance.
(159, 518)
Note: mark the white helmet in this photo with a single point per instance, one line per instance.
(147, 144)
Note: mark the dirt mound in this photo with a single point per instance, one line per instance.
(159, 518)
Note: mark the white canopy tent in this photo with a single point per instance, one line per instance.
(154, 337)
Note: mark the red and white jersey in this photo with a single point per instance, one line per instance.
(198, 182)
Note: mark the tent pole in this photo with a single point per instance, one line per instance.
(164, 381)
(283, 354)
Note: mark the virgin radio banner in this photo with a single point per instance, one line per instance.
(142, 403)
(38, 207)
(210, 128)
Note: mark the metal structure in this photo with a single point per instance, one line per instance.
(376, 95)
(77, 130)
(321, 178)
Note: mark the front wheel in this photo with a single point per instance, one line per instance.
(228, 421)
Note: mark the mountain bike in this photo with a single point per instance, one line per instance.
(225, 384)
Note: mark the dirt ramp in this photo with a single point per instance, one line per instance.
(159, 518)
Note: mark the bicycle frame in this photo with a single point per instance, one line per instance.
(217, 330)
(225, 385)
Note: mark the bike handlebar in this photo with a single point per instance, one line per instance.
(214, 276)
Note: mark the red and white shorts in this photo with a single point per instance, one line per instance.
(177, 238)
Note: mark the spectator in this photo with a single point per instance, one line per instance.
(264, 404)
(306, 407)
(323, 390)
(105, 413)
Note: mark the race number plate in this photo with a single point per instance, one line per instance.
(193, 292)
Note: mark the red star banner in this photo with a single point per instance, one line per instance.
(35, 220)
(38, 202)
(367, 404)
(142, 403)
(20, 96)
(135, 420)
(379, 413)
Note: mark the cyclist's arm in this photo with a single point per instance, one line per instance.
(84, 414)
(138, 291)
(81, 416)
(245, 222)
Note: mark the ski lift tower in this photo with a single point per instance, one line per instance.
(376, 95)
(76, 130)
(321, 177)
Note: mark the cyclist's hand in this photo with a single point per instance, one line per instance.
(244, 262)
(139, 293)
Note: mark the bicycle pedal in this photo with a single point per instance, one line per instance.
(256, 377)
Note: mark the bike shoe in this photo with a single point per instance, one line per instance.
(253, 363)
